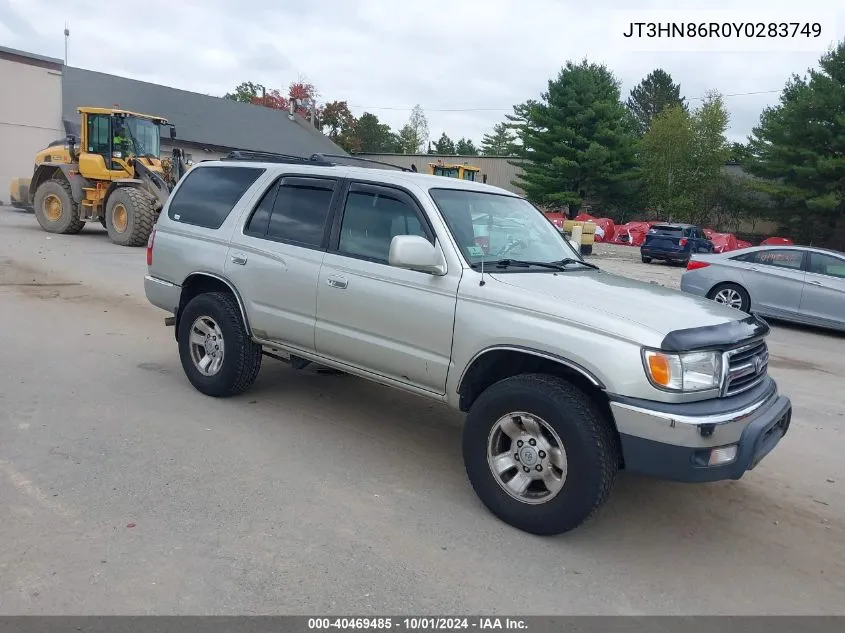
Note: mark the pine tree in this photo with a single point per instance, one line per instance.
(444, 145)
(799, 147)
(576, 143)
(654, 94)
(499, 142)
(465, 147)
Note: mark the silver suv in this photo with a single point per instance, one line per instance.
(466, 294)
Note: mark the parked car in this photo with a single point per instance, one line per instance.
(793, 283)
(674, 243)
(567, 373)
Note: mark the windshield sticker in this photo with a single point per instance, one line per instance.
(475, 251)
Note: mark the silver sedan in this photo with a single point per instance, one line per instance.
(793, 283)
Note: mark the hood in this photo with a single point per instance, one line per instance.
(649, 305)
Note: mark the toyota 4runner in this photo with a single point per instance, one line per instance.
(464, 293)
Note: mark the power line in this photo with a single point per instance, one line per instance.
(409, 108)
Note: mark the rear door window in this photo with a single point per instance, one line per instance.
(295, 210)
(780, 258)
(208, 194)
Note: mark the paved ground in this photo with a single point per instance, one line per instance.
(123, 490)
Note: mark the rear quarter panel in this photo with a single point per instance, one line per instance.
(182, 249)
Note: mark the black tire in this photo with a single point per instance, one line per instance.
(745, 298)
(68, 221)
(241, 355)
(134, 229)
(646, 260)
(588, 438)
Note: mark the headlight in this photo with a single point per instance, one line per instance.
(694, 371)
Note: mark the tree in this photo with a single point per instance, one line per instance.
(414, 134)
(465, 147)
(799, 148)
(499, 142)
(576, 146)
(683, 156)
(245, 92)
(338, 124)
(374, 137)
(444, 145)
(302, 93)
(667, 159)
(651, 96)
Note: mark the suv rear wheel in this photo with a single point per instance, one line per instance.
(218, 356)
(539, 453)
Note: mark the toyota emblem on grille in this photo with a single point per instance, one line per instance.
(758, 364)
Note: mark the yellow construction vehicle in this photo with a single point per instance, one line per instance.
(462, 172)
(112, 174)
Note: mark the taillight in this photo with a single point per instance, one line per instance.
(694, 264)
(150, 241)
(683, 241)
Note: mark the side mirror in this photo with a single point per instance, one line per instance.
(172, 131)
(416, 253)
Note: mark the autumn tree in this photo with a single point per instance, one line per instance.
(301, 93)
(338, 123)
(499, 142)
(651, 96)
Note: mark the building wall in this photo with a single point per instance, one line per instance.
(30, 113)
(498, 170)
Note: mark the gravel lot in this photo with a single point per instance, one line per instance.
(124, 491)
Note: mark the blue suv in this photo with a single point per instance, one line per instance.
(674, 243)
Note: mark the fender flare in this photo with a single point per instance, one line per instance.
(47, 171)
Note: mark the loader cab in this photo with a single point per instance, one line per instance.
(461, 172)
(111, 137)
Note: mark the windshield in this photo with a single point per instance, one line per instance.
(490, 227)
(145, 136)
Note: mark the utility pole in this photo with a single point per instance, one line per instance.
(67, 35)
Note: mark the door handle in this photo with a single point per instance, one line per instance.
(754, 269)
(337, 282)
(814, 282)
(239, 258)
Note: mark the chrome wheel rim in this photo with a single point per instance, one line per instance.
(730, 297)
(206, 343)
(526, 457)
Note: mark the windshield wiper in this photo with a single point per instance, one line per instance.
(521, 263)
(572, 260)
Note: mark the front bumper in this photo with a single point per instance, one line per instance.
(676, 442)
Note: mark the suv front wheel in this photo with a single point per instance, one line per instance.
(218, 356)
(539, 453)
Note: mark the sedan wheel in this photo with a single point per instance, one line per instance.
(731, 295)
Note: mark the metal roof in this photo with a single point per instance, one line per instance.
(199, 119)
(32, 56)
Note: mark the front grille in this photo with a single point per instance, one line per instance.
(745, 368)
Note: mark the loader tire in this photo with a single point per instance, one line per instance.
(55, 209)
(130, 217)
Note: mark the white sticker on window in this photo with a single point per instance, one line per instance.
(475, 251)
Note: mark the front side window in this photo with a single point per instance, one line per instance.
(207, 195)
(372, 218)
(491, 227)
(829, 265)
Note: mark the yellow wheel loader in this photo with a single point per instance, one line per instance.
(112, 173)
(462, 172)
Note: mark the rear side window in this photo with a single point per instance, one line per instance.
(209, 194)
(295, 210)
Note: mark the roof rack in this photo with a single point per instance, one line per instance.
(322, 156)
(274, 157)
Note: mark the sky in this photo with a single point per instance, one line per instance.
(466, 62)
